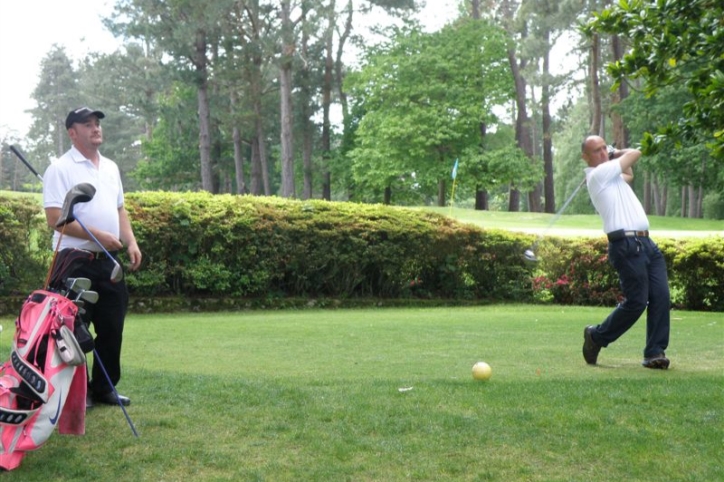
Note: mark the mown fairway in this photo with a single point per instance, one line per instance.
(387, 395)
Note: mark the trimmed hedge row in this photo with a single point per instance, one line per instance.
(201, 246)
(24, 256)
(577, 272)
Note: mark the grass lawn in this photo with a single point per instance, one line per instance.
(518, 220)
(387, 395)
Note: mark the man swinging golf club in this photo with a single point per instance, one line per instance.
(640, 265)
(105, 230)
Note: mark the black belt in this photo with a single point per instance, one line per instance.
(622, 233)
(103, 255)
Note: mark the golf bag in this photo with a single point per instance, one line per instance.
(44, 383)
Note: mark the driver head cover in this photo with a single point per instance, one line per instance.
(80, 193)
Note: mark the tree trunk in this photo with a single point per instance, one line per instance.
(338, 64)
(255, 187)
(475, 9)
(259, 183)
(327, 101)
(441, 193)
(548, 187)
(207, 171)
(647, 193)
(620, 133)
(387, 196)
(596, 114)
(693, 201)
(481, 195)
(285, 93)
(238, 161)
(481, 200)
(306, 109)
(260, 175)
(664, 200)
(522, 123)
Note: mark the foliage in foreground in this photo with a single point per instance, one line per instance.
(674, 42)
(316, 395)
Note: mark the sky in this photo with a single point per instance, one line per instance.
(30, 28)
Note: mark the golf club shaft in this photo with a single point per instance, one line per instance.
(97, 359)
(560, 212)
(117, 267)
(25, 161)
(95, 240)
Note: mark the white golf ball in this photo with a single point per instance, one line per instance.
(482, 371)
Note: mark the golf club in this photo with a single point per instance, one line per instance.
(86, 295)
(115, 392)
(529, 253)
(76, 284)
(92, 297)
(117, 272)
(25, 161)
(80, 193)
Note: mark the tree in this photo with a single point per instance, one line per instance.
(170, 156)
(55, 95)
(424, 97)
(673, 42)
(688, 168)
(125, 85)
(186, 30)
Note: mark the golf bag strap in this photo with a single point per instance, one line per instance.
(31, 376)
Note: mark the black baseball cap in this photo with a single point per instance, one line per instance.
(81, 114)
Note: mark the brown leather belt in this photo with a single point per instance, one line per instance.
(622, 233)
(103, 255)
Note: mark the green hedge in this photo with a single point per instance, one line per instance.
(24, 242)
(241, 246)
(577, 271)
(202, 246)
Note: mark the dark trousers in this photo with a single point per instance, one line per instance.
(107, 317)
(642, 272)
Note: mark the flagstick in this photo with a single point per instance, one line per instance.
(454, 178)
(452, 196)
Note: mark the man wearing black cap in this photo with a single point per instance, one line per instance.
(105, 217)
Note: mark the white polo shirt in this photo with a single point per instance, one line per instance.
(101, 212)
(614, 199)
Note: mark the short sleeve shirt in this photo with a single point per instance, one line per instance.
(101, 212)
(614, 199)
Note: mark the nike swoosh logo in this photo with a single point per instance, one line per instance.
(54, 418)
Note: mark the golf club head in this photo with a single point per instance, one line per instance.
(80, 193)
(117, 273)
(89, 296)
(529, 255)
(77, 284)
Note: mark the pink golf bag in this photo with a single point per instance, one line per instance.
(43, 385)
